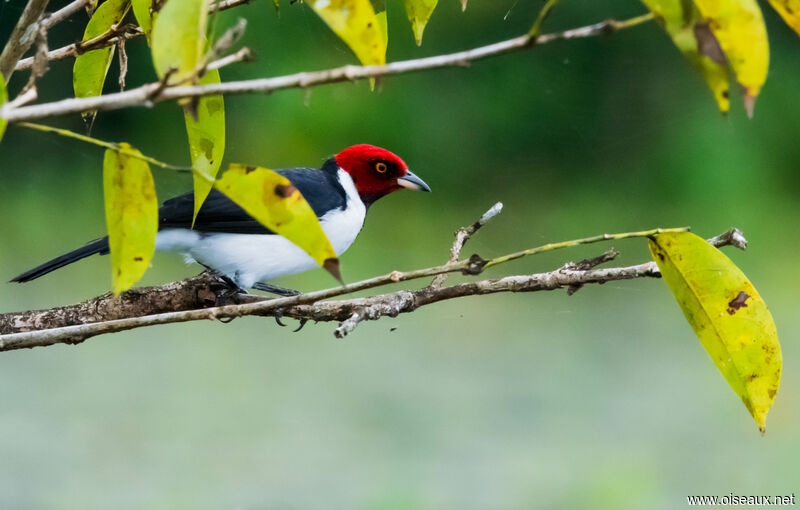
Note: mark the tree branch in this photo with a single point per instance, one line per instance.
(22, 36)
(149, 94)
(205, 297)
(110, 37)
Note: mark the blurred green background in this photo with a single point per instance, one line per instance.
(605, 399)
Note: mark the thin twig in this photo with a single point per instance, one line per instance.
(146, 95)
(243, 55)
(104, 40)
(22, 36)
(462, 236)
(101, 143)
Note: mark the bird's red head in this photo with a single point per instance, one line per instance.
(377, 172)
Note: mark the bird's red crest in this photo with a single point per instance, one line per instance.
(374, 170)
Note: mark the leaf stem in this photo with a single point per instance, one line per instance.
(576, 242)
(101, 143)
(543, 13)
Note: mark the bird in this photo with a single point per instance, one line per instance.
(245, 253)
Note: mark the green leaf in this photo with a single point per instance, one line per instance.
(271, 199)
(727, 314)
(131, 215)
(142, 9)
(419, 12)
(178, 39)
(739, 27)
(3, 97)
(685, 25)
(356, 23)
(206, 140)
(90, 68)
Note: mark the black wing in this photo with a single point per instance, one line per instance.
(220, 214)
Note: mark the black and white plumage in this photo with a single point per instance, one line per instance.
(228, 240)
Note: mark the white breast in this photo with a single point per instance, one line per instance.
(250, 258)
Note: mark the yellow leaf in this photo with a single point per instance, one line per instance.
(727, 314)
(271, 199)
(90, 68)
(3, 97)
(380, 13)
(131, 215)
(789, 11)
(206, 140)
(142, 9)
(355, 22)
(419, 12)
(739, 27)
(178, 39)
(685, 25)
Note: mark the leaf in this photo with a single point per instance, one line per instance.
(142, 9)
(688, 31)
(380, 13)
(272, 199)
(3, 97)
(356, 23)
(178, 39)
(206, 140)
(739, 27)
(419, 12)
(131, 215)
(789, 11)
(727, 314)
(90, 68)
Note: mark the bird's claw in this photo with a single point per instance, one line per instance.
(278, 316)
(302, 323)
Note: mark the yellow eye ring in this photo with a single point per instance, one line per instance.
(381, 167)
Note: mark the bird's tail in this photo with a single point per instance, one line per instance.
(100, 246)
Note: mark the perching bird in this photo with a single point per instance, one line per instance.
(228, 240)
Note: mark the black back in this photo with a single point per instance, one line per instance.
(320, 188)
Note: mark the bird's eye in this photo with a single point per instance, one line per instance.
(381, 167)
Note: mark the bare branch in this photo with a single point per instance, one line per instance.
(732, 237)
(198, 292)
(107, 38)
(22, 36)
(144, 95)
(66, 11)
(243, 55)
(206, 298)
(73, 50)
(40, 62)
(462, 236)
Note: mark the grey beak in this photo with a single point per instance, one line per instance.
(411, 181)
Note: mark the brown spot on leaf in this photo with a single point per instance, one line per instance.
(285, 191)
(740, 301)
(707, 43)
(137, 259)
(772, 392)
(249, 169)
(331, 265)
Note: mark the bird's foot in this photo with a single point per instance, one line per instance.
(279, 314)
(228, 290)
(274, 289)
